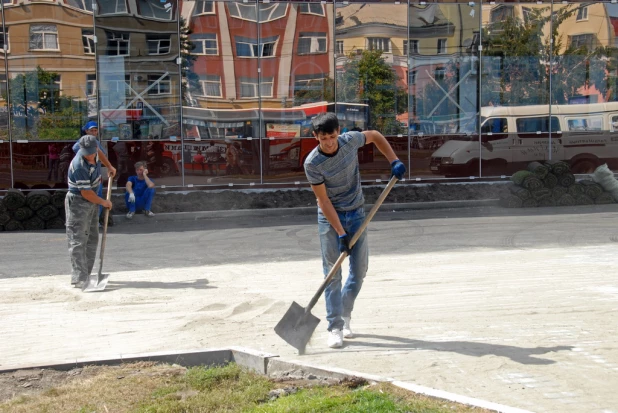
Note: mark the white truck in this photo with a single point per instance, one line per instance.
(584, 135)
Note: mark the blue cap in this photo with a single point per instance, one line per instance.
(91, 124)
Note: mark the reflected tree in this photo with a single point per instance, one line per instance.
(369, 79)
(520, 58)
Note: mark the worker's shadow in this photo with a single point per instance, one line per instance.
(521, 355)
(195, 284)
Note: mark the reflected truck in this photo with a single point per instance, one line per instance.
(585, 136)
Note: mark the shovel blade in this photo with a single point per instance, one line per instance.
(297, 326)
(96, 283)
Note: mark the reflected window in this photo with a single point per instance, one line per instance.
(309, 43)
(412, 77)
(494, 125)
(211, 86)
(439, 73)
(4, 40)
(339, 47)
(585, 41)
(501, 13)
(3, 85)
(267, 12)
(309, 82)
(161, 85)
(538, 124)
(91, 85)
(117, 44)
(155, 9)
(311, 8)
(614, 124)
(247, 47)
(43, 37)
(118, 84)
(88, 41)
(158, 44)
(205, 44)
(584, 124)
(582, 13)
(204, 7)
(111, 6)
(413, 46)
(81, 4)
(441, 46)
(379, 43)
(251, 88)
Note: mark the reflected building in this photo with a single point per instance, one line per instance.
(219, 93)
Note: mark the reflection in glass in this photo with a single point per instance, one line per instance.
(371, 42)
(584, 86)
(48, 69)
(162, 159)
(138, 72)
(41, 165)
(443, 79)
(515, 123)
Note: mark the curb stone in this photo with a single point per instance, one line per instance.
(268, 365)
(269, 212)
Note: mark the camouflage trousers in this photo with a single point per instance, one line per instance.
(82, 225)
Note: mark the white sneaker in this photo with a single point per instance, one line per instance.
(347, 329)
(335, 338)
(149, 213)
(130, 215)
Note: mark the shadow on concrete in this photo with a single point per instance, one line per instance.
(521, 355)
(195, 284)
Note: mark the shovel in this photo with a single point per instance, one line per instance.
(99, 282)
(297, 325)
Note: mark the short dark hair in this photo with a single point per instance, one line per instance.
(325, 122)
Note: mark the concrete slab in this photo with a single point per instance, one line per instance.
(518, 310)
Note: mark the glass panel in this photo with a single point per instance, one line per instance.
(371, 70)
(515, 91)
(221, 99)
(139, 85)
(221, 162)
(41, 165)
(443, 80)
(584, 96)
(5, 153)
(300, 73)
(48, 70)
(161, 158)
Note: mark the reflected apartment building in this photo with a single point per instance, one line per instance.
(170, 80)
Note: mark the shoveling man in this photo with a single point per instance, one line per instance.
(332, 170)
(82, 208)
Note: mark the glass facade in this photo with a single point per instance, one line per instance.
(220, 93)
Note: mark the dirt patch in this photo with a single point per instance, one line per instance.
(35, 381)
(304, 197)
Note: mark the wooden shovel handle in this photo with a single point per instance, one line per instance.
(105, 220)
(355, 238)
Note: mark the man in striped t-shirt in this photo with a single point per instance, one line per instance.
(81, 207)
(332, 171)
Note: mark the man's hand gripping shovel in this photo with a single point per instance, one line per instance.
(98, 282)
(298, 324)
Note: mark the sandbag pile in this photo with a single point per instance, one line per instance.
(38, 210)
(553, 184)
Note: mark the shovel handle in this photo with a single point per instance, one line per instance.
(355, 238)
(105, 220)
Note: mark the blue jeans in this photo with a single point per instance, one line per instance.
(142, 202)
(340, 301)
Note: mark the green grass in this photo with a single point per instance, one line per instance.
(156, 388)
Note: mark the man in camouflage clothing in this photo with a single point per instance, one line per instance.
(81, 206)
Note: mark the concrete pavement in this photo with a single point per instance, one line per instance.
(517, 307)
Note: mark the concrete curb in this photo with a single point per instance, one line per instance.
(268, 365)
(270, 212)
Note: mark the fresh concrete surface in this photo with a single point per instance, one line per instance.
(517, 307)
